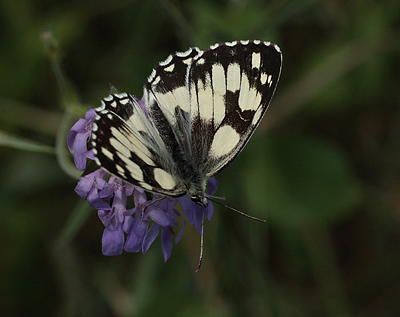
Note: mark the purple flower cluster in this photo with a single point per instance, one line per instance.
(131, 229)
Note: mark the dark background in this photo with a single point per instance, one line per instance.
(323, 167)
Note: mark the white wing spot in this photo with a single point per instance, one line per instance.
(120, 147)
(185, 53)
(120, 170)
(225, 140)
(201, 61)
(145, 186)
(113, 104)
(249, 98)
(125, 101)
(108, 98)
(245, 42)
(130, 140)
(182, 97)
(122, 95)
(156, 80)
(132, 168)
(256, 42)
(205, 98)
(110, 116)
(233, 77)
(177, 97)
(231, 43)
(164, 179)
(170, 68)
(263, 78)
(194, 109)
(152, 75)
(219, 88)
(277, 48)
(269, 80)
(213, 47)
(256, 60)
(107, 153)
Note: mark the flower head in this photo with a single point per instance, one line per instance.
(136, 227)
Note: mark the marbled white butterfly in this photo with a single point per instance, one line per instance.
(201, 108)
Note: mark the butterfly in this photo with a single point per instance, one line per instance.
(199, 110)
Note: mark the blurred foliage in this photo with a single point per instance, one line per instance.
(323, 167)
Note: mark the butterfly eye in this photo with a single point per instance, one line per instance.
(202, 201)
(195, 199)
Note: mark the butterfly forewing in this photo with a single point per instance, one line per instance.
(231, 85)
(200, 110)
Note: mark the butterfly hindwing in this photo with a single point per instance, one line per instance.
(127, 145)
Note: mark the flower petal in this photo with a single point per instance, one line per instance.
(158, 216)
(79, 148)
(212, 185)
(179, 236)
(96, 202)
(112, 241)
(166, 242)
(150, 237)
(136, 235)
(188, 207)
(79, 126)
(90, 114)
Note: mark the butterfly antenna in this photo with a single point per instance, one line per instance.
(201, 243)
(238, 211)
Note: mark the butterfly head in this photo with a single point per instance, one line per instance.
(200, 200)
(197, 192)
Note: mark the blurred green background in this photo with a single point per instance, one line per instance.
(323, 167)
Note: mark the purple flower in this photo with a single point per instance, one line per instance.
(113, 219)
(133, 229)
(162, 213)
(89, 187)
(77, 139)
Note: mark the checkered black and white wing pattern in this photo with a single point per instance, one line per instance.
(231, 86)
(127, 145)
